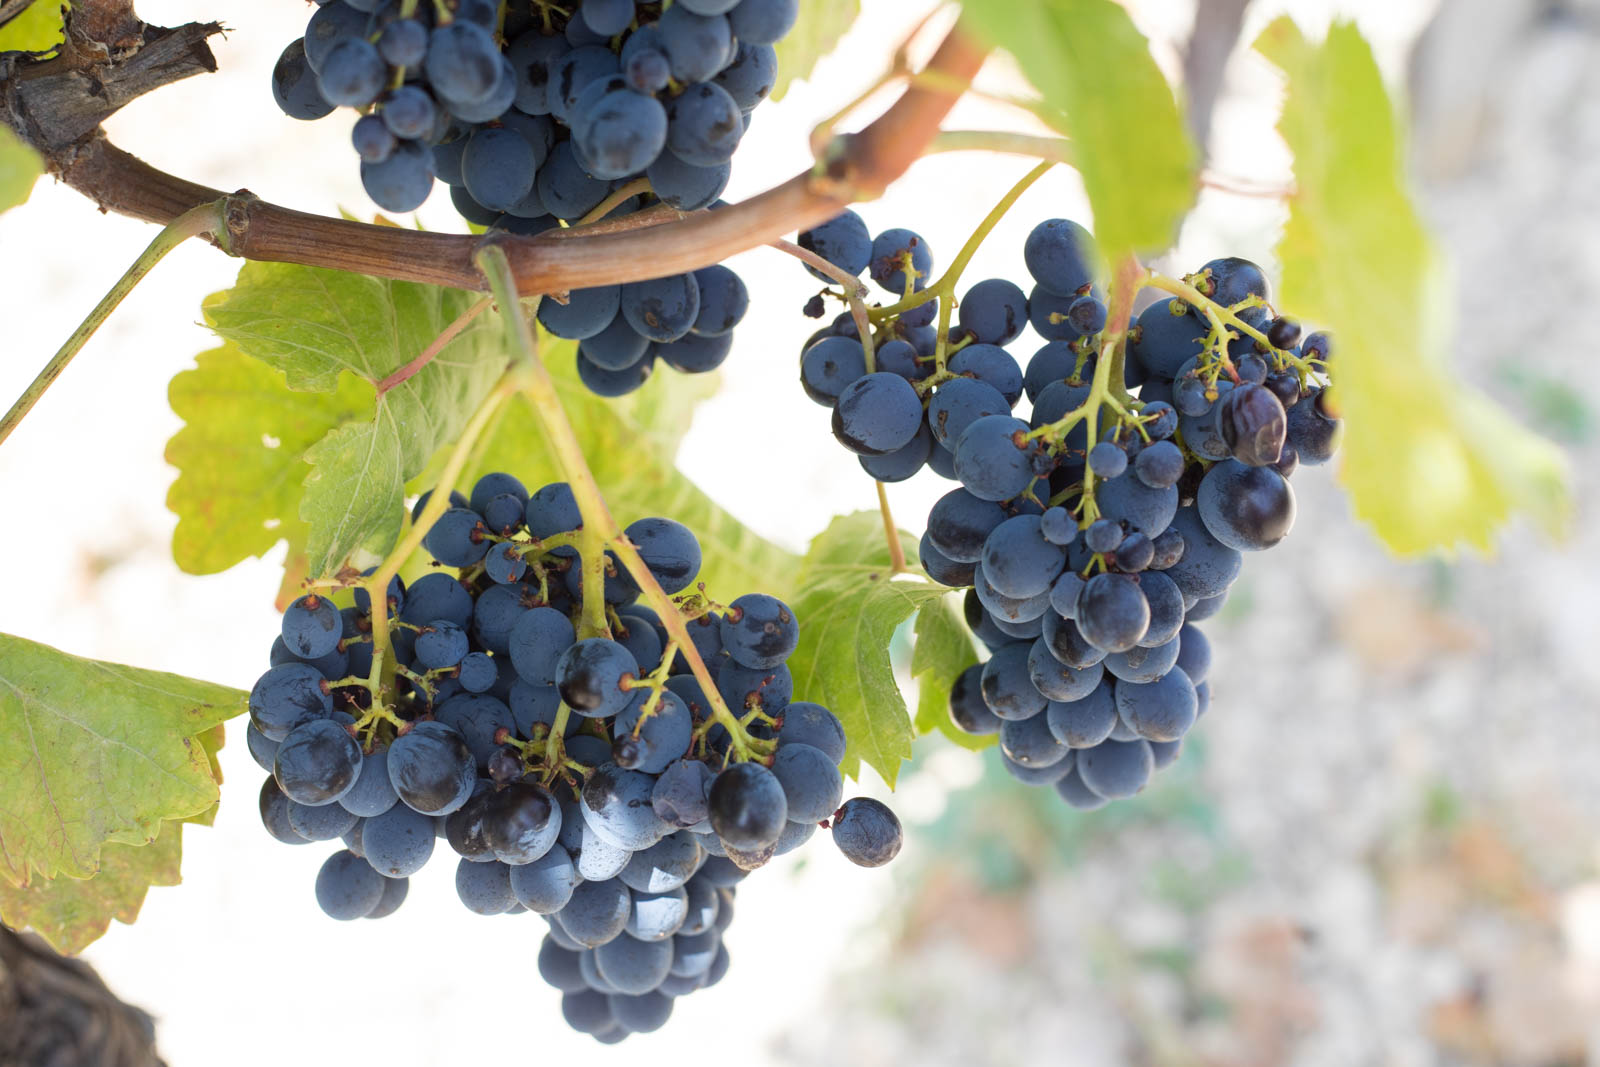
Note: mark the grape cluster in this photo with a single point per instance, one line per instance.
(1088, 563)
(587, 779)
(535, 118)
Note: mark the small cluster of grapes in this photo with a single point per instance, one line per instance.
(1087, 562)
(536, 119)
(532, 114)
(685, 321)
(589, 780)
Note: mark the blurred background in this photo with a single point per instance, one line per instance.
(1380, 848)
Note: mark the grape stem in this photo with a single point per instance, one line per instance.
(206, 218)
(615, 197)
(858, 167)
(1106, 389)
(944, 290)
(377, 585)
(854, 294)
(450, 333)
(536, 384)
(1220, 316)
(891, 533)
(1055, 149)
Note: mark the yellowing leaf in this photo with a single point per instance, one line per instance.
(94, 752)
(72, 913)
(815, 34)
(314, 325)
(39, 28)
(20, 167)
(241, 456)
(1428, 461)
(849, 606)
(1094, 69)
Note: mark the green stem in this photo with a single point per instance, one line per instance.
(378, 583)
(617, 196)
(1220, 316)
(540, 389)
(207, 218)
(944, 289)
(1055, 149)
(592, 556)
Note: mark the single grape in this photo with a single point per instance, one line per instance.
(1031, 743)
(1007, 684)
(763, 21)
(485, 888)
(1194, 655)
(1103, 535)
(960, 403)
(521, 821)
(698, 46)
(704, 125)
(431, 768)
(968, 710)
(1112, 612)
(810, 780)
(286, 696)
(994, 312)
(620, 134)
(680, 796)
(867, 832)
(876, 414)
(1061, 256)
(662, 309)
(317, 763)
(890, 251)
(1055, 680)
(458, 538)
(1106, 460)
(399, 842)
(1159, 710)
(747, 806)
(545, 885)
(617, 805)
(352, 73)
(1246, 508)
(347, 888)
(759, 631)
(294, 85)
(1087, 721)
(843, 241)
(1231, 281)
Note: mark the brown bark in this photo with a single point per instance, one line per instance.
(58, 110)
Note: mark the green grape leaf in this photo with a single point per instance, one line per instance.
(849, 605)
(1102, 88)
(39, 28)
(815, 34)
(314, 325)
(241, 456)
(94, 752)
(71, 913)
(1429, 462)
(630, 443)
(944, 649)
(20, 167)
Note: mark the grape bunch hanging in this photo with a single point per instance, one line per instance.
(1094, 535)
(579, 772)
(536, 117)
